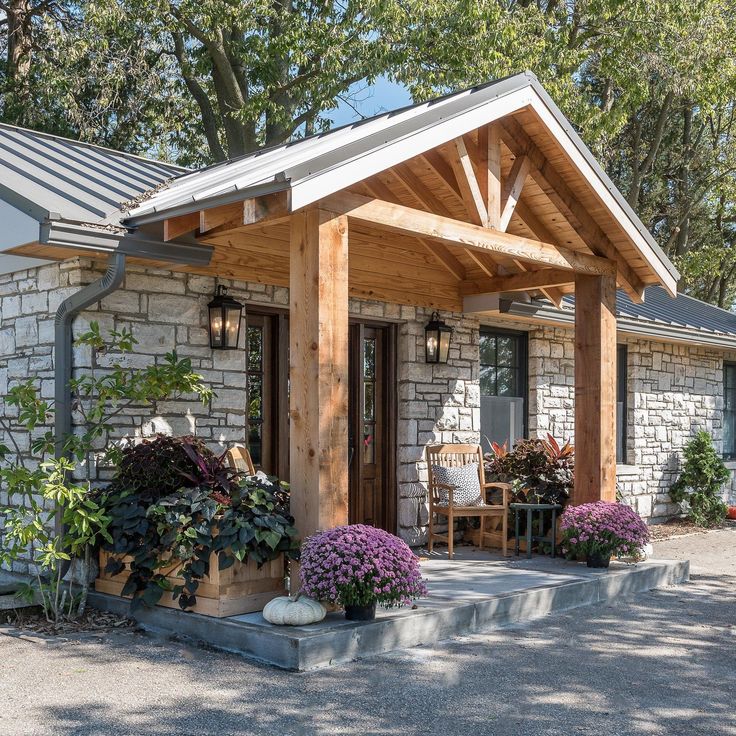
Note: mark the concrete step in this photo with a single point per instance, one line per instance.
(507, 598)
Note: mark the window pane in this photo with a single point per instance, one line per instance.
(507, 350)
(255, 348)
(369, 358)
(255, 397)
(255, 443)
(369, 444)
(369, 408)
(487, 381)
(506, 384)
(487, 350)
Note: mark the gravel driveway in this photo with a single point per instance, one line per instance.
(660, 663)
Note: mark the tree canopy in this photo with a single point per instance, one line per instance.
(650, 85)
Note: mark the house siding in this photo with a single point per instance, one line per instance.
(673, 390)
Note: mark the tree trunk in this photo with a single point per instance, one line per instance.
(19, 57)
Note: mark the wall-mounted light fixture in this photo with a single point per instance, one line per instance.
(437, 340)
(225, 315)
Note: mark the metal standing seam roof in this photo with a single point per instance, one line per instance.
(683, 312)
(282, 167)
(48, 176)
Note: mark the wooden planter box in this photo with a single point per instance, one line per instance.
(241, 588)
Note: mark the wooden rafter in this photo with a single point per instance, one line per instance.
(429, 200)
(512, 189)
(255, 211)
(407, 220)
(562, 197)
(377, 188)
(443, 170)
(545, 277)
(174, 227)
(462, 166)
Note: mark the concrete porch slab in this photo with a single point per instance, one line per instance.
(476, 591)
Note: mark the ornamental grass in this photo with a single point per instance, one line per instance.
(603, 528)
(358, 565)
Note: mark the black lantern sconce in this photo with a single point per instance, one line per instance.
(225, 314)
(437, 340)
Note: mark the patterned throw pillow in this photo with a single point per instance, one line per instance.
(465, 481)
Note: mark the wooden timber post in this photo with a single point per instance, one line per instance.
(595, 388)
(318, 370)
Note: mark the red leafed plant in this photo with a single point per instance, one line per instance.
(541, 470)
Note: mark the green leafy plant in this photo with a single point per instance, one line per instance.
(236, 520)
(701, 481)
(42, 488)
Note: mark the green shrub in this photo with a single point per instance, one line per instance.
(701, 482)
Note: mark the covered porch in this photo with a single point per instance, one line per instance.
(444, 206)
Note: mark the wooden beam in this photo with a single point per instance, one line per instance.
(562, 197)
(540, 231)
(429, 200)
(443, 170)
(493, 174)
(400, 218)
(318, 370)
(254, 211)
(595, 389)
(528, 281)
(440, 252)
(181, 225)
(469, 190)
(512, 189)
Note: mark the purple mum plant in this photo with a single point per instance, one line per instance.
(358, 565)
(602, 528)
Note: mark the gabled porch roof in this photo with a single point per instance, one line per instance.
(553, 189)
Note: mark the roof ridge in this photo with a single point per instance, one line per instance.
(96, 146)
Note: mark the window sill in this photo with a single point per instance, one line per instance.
(730, 464)
(624, 470)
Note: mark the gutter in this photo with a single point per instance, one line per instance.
(65, 314)
(539, 313)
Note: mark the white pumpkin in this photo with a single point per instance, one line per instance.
(295, 610)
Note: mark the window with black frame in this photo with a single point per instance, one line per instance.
(729, 411)
(503, 386)
(622, 380)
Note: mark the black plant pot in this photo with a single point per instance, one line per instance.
(361, 613)
(597, 559)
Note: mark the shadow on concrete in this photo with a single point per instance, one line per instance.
(660, 663)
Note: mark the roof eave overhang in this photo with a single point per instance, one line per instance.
(544, 314)
(98, 240)
(278, 184)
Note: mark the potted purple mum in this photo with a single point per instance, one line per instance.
(358, 566)
(600, 530)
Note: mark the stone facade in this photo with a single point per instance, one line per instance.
(166, 310)
(672, 389)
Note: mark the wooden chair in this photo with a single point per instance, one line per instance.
(239, 458)
(455, 456)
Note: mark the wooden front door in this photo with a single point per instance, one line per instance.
(372, 498)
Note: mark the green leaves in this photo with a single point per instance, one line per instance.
(701, 482)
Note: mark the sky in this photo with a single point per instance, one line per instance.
(380, 97)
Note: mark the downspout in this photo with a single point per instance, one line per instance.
(65, 314)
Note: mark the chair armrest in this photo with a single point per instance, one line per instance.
(505, 488)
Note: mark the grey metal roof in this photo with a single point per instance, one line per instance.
(682, 312)
(47, 176)
(288, 165)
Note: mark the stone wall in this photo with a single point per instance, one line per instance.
(673, 391)
(166, 310)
